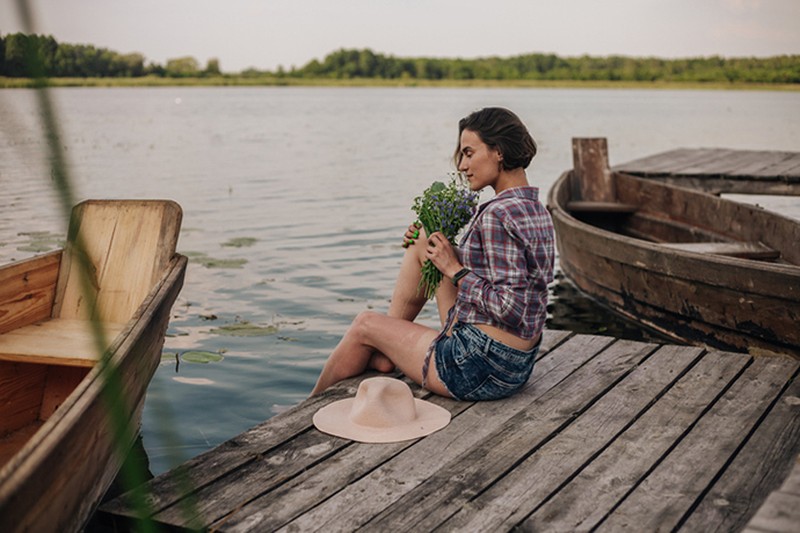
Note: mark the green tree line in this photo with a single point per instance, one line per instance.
(39, 55)
(28, 56)
(367, 64)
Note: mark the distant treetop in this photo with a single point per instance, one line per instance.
(34, 56)
(30, 56)
(367, 64)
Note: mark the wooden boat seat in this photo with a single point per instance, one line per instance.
(746, 250)
(582, 206)
(45, 314)
(58, 341)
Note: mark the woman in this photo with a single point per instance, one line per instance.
(493, 299)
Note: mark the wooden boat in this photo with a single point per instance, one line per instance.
(57, 447)
(692, 266)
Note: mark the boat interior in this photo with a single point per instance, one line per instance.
(56, 323)
(687, 220)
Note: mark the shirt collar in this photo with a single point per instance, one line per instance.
(528, 193)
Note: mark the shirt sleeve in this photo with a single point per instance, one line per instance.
(501, 293)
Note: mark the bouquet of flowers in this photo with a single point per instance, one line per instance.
(444, 208)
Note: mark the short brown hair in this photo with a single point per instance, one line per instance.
(501, 130)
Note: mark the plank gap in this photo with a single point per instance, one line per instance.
(698, 500)
(663, 392)
(571, 419)
(675, 444)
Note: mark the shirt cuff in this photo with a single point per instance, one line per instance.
(466, 286)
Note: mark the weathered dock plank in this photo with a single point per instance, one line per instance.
(762, 162)
(673, 487)
(669, 161)
(166, 491)
(510, 500)
(585, 501)
(337, 498)
(718, 170)
(733, 497)
(719, 163)
(781, 512)
(349, 509)
(607, 433)
(441, 495)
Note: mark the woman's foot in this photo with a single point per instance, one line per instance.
(381, 363)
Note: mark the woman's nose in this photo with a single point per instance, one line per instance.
(462, 165)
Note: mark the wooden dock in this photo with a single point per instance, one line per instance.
(609, 434)
(780, 511)
(717, 170)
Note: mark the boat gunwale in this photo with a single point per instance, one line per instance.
(558, 210)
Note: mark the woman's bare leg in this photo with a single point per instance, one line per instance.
(404, 343)
(408, 300)
(383, 342)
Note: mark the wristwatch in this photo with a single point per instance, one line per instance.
(460, 274)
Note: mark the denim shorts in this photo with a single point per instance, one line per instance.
(473, 366)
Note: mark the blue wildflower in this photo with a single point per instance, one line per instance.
(447, 209)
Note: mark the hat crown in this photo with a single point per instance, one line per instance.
(383, 403)
(383, 410)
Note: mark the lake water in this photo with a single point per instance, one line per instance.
(317, 184)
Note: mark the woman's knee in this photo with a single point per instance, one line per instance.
(364, 323)
(417, 247)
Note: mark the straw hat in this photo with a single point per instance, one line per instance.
(383, 410)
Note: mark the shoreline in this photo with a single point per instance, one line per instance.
(268, 81)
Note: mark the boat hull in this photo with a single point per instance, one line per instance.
(724, 302)
(56, 481)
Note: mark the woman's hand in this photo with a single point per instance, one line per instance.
(412, 234)
(442, 254)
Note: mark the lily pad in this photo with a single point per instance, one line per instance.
(245, 329)
(211, 262)
(36, 247)
(40, 241)
(224, 263)
(192, 255)
(201, 357)
(240, 242)
(168, 356)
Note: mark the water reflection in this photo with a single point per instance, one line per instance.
(570, 309)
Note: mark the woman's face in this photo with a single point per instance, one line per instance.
(479, 163)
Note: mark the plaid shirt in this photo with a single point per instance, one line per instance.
(509, 246)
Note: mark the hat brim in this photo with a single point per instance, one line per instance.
(334, 419)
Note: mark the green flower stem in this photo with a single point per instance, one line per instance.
(446, 209)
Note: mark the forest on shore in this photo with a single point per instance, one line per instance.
(38, 56)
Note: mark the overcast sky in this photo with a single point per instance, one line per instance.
(267, 33)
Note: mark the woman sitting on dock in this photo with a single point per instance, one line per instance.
(493, 301)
